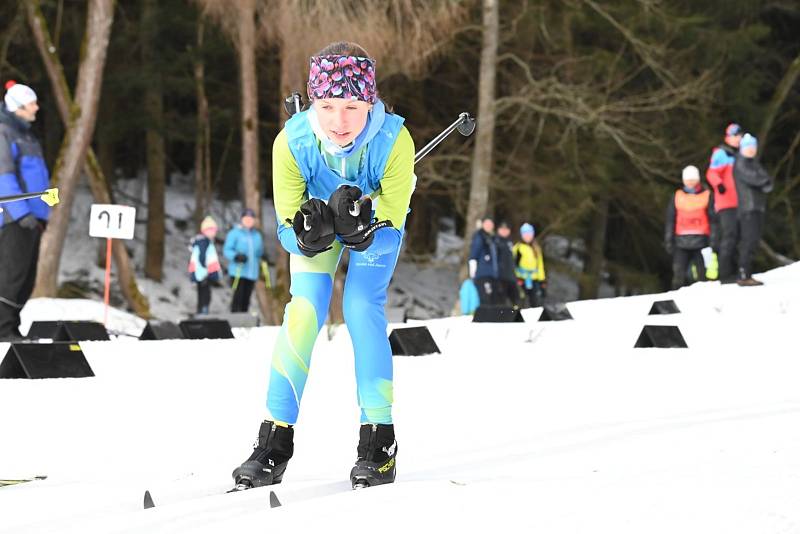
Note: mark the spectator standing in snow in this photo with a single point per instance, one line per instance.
(243, 248)
(22, 170)
(204, 268)
(508, 290)
(726, 200)
(687, 228)
(529, 261)
(753, 183)
(483, 264)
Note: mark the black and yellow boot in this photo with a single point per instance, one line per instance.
(270, 456)
(377, 450)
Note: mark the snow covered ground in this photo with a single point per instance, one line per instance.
(557, 427)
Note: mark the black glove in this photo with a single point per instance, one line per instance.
(313, 226)
(721, 189)
(240, 258)
(352, 216)
(28, 222)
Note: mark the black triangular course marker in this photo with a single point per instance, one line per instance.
(664, 307)
(273, 500)
(148, 500)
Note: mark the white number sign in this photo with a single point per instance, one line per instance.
(111, 220)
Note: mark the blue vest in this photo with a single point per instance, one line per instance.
(321, 181)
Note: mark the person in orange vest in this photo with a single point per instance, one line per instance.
(726, 200)
(688, 226)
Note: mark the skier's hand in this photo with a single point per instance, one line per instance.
(721, 189)
(313, 227)
(472, 266)
(351, 213)
(28, 222)
(240, 258)
(352, 217)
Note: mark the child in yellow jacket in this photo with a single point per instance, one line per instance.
(529, 269)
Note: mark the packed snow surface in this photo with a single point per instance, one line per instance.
(556, 427)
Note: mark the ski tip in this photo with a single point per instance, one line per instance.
(273, 500)
(148, 500)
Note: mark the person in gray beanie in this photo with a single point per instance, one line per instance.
(753, 183)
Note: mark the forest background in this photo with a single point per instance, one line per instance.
(587, 111)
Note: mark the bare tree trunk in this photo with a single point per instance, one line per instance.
(590, 281)
(778, 98)
(249, 93)
(248, 83)
(97, 182)
(202, 148)
(79, 130)
(154, 144)
(484, 137)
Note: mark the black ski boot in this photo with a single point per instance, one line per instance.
(267, 464)
(377, 449)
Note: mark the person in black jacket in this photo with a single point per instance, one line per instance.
(508, 291)
(483, 266)
(753, 183)
(688, 226)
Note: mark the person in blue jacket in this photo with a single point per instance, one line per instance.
(343, 176)
(22, 170)
(243, 248)
(483, 264)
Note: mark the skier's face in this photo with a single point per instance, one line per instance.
(248, 221)
(28, 111)
(750, 151)
(342, 119)
(733, 140)
(527, 237)
(504, 231)
(488, 226)
(691, 183)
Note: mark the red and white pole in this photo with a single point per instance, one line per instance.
(108, 280)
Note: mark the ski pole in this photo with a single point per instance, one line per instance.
(236, 278)
(465, 126)
(265, 270)
(49, 196)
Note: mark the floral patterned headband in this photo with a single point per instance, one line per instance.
(350, 77)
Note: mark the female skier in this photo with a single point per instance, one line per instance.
(343, 174)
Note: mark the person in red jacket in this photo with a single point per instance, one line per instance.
(688, 226)
(720, 177)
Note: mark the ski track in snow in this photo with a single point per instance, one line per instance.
(556, 427)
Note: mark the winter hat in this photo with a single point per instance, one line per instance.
(504, 224)
(527, 228)
(748, 140)
(733, 129)
(208, 223)
(248, 212)
(18, 95)
(691, 174)
(350, 77)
